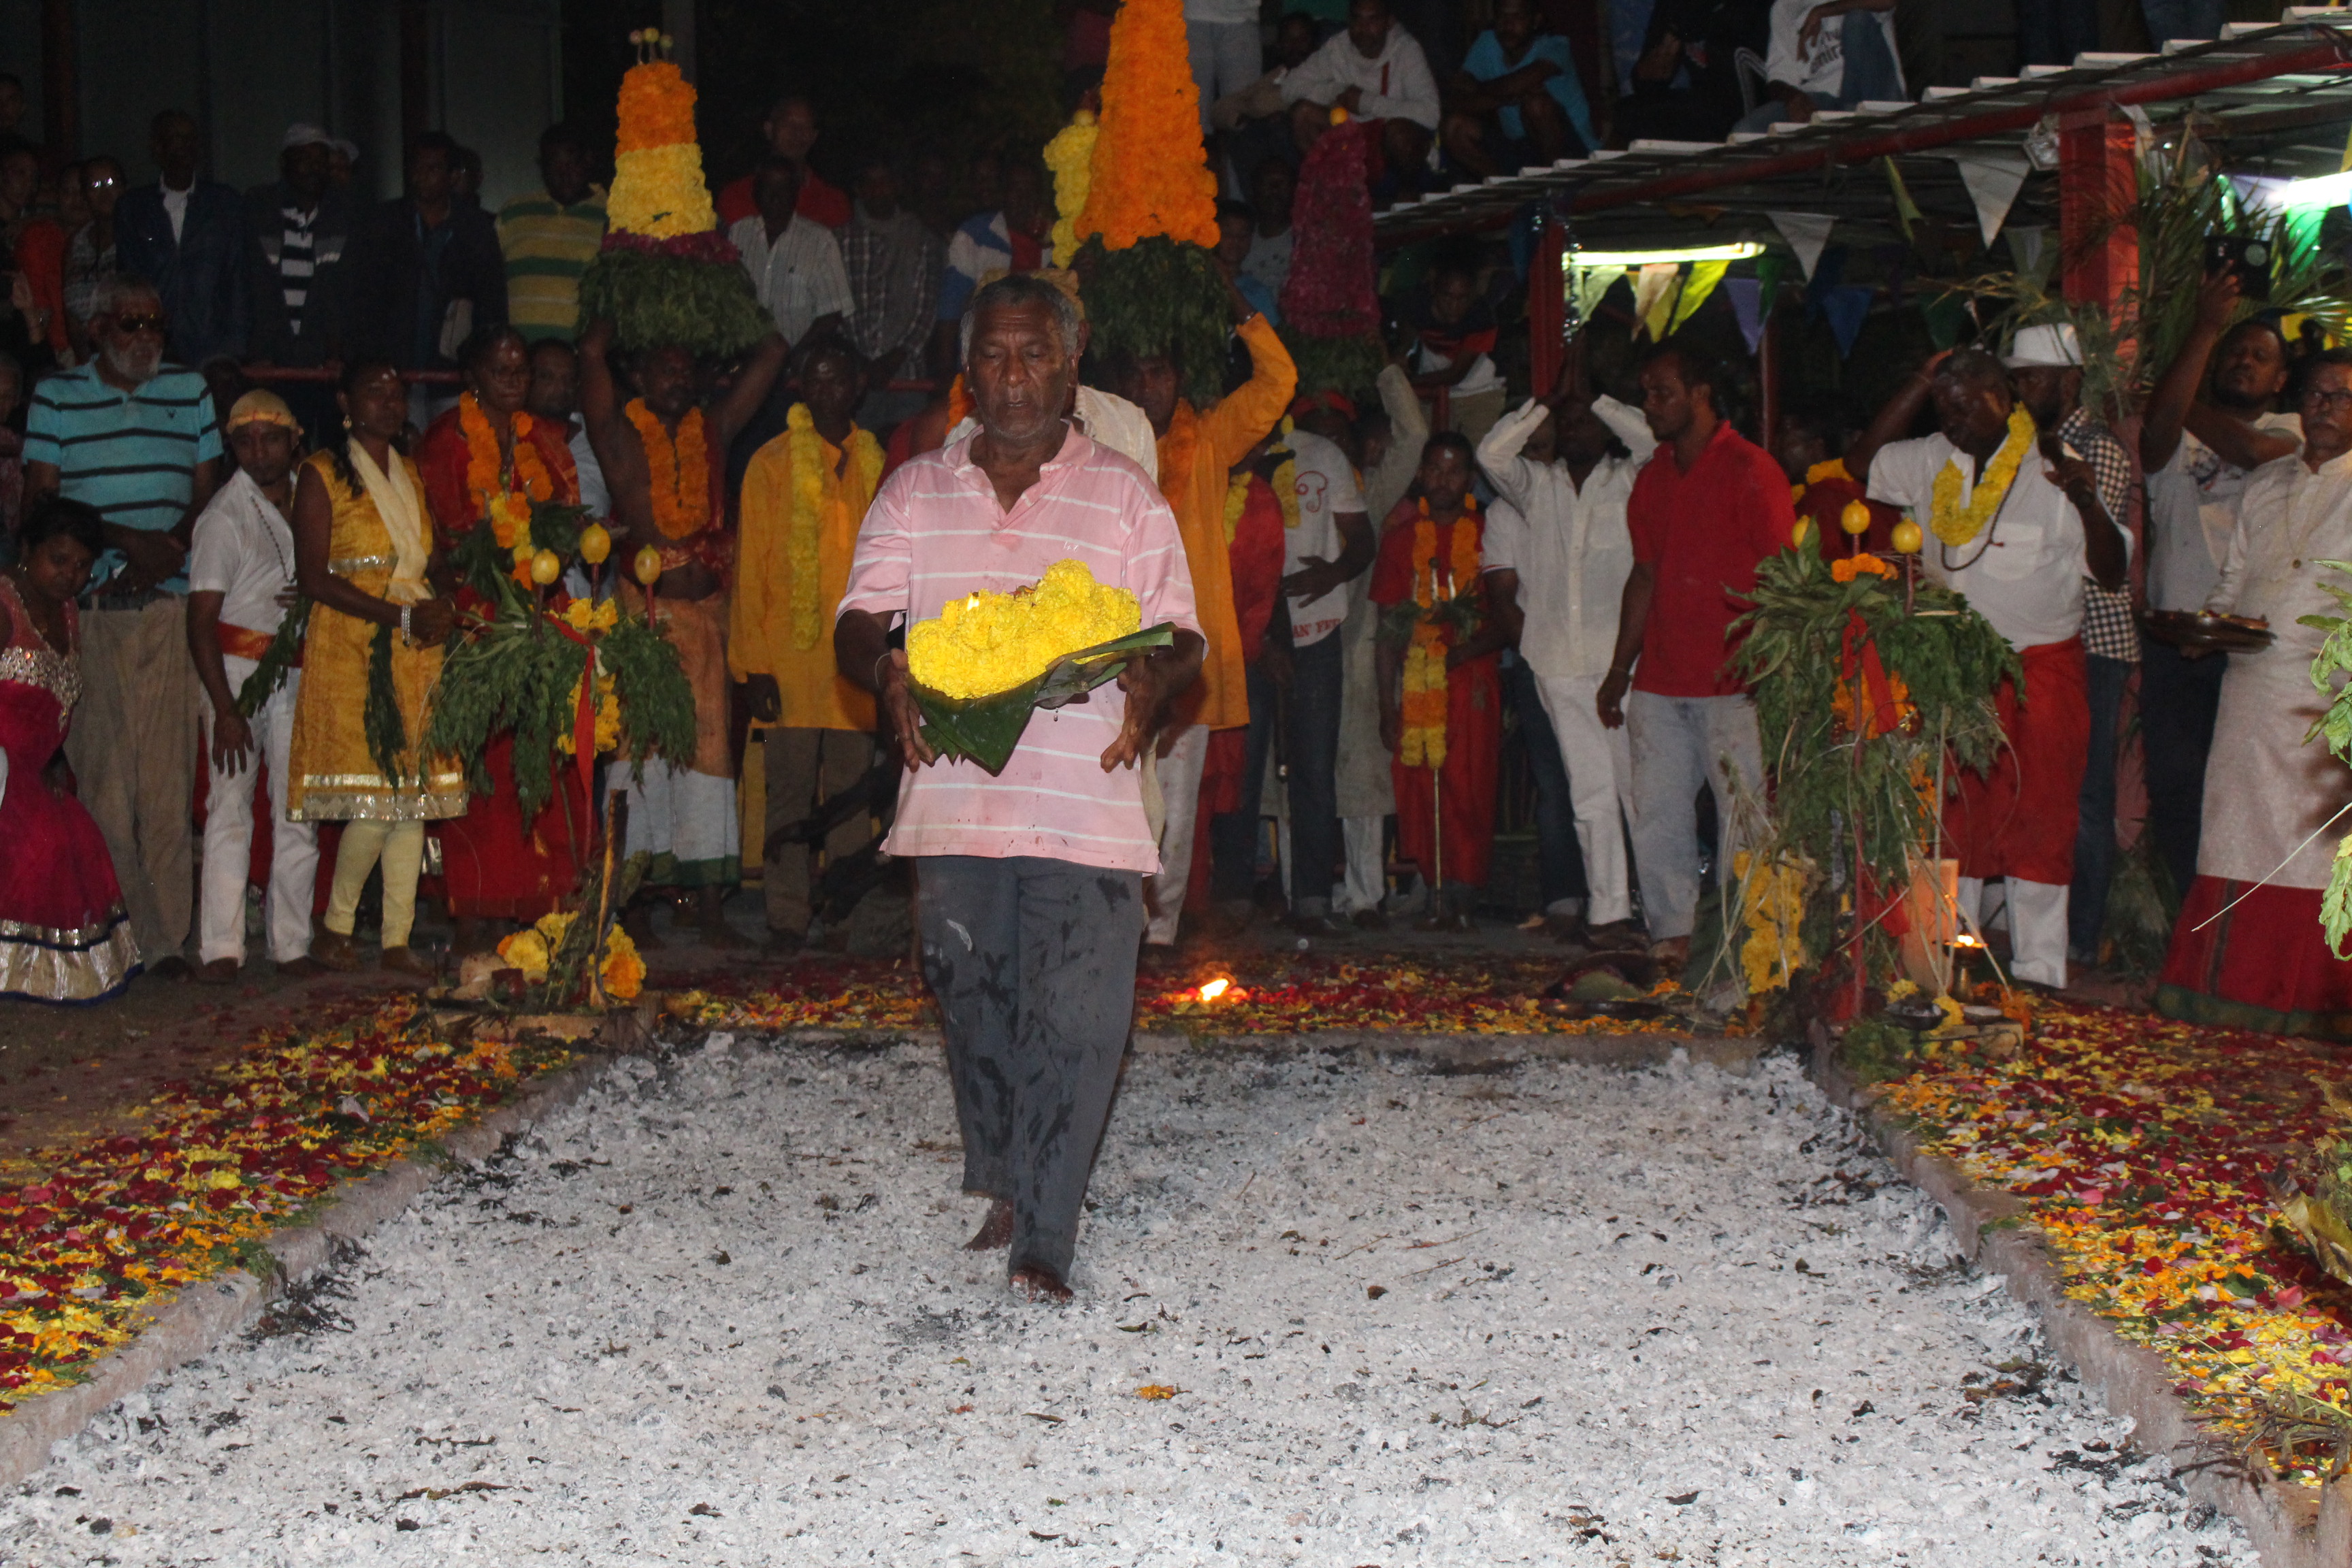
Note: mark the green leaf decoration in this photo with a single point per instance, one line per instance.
(284, 653)
(380, 719)
(1349, 366)
(985, 730)
(1157, 297)
(653, 301)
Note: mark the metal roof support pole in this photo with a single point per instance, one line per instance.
(2097, 183)
(1546, 308)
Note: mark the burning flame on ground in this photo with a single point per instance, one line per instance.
(1215, 988)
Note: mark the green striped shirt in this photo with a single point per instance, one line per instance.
(547, 246)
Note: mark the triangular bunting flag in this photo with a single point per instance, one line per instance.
(1948, 318)
(1769, 267)
(1704, 277)
(1993, 180)
(1806, 234)
(1747, 306)
(2025, 247)
(1906, 211)
(1653, 296)
(1592, 283)
(1846, 306)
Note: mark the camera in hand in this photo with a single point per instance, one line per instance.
(2247, 256)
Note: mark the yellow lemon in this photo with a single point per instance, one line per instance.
(1855, 518)
(1802, 531)
(595, 544)
(1906, 537)
(647, 565)
(546, 567)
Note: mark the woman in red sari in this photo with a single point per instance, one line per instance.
(494, 866)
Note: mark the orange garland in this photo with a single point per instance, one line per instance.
(486, 473)
(1424, 704)
(679, 470)
(1149, 175)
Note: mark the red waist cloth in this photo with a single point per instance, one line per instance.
(1474, 753)
(2020, 820)
(2264, 965)
(494, 866)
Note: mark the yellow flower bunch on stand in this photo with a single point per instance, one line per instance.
(584, 616)
(608, 717)
(1775, 901)
(988, 643)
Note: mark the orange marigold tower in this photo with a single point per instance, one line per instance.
(1149, 176)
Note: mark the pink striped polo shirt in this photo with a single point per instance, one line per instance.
(936, 533)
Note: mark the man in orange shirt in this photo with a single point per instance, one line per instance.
(820, 738)
(1197, 451)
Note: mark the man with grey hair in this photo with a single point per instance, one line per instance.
(1032, 895)
(136, 438)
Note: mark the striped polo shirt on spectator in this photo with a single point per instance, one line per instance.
(132, 455)
(547, 246)
(936, 533)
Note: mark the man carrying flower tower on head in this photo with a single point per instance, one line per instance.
(805, 495)
(2014, 521)
(484, 463)
(1198, 450)
(670, 291)
(1031, 878)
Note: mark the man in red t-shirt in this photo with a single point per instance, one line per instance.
(791, 130)
(1706, 509)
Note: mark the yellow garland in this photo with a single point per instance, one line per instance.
(1956, 524)
(811, 476)
(1070, 157)
(1774, 947)
(1236, 502)
(1425, 703)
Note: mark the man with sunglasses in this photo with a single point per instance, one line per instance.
(136, 438)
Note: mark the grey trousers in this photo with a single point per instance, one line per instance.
(1679, 743)
(1032, 961)
(133, 748)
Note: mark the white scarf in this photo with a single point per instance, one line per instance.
(404, 518)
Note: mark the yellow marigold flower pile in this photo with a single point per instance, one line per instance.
(1070, 155)
(990, 643)
(584, 616)
(608, 711)
(658, 186)
(530, 951)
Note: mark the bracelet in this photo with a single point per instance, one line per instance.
(878, 669)
(1620, 669)
(405, 611)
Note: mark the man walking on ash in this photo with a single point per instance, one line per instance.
(1031, 882)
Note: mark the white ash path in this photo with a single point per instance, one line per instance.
(715, 1314)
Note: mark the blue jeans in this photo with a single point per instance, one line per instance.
(1560, 862)
(2179, 700)
(2182, 19)
(1311, 754)
(1871, 74)
(2094, 834)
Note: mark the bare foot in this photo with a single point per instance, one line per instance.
(402, 960)
(995, 1231)
(300, 968)
(219, 972)
(1671, 955)
(333, 950)
(1035, 1282)
(722, 936)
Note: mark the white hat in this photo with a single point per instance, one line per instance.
(302, 135)
(2044, 348)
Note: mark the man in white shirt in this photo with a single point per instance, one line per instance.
(1557, 561)
(240, 574)
(1375, 70)
(795, 263)
(1827, 54)
(2021, 562)
(2199, 439)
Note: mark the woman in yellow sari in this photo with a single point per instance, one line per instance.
(363, 543)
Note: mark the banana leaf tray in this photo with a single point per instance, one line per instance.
(985, 730)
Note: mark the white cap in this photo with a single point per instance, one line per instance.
(2044, 348)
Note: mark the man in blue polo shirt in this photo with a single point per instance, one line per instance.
(136, 438)
(1517, 100)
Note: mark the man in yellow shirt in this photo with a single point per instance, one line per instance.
(805, 495)
(1198, 450)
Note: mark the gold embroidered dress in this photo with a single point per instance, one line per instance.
(334, 778)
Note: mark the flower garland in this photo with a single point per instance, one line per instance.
(811, 474)
(1284, 484)
(679, 469)
(1149, 175)
(1425, 660)
(505, 491)
(1957, 524)
(1070, 157)
(1330, 292)
(1775, 898)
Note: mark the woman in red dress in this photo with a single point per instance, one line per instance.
(496, 866)
(64, 936)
